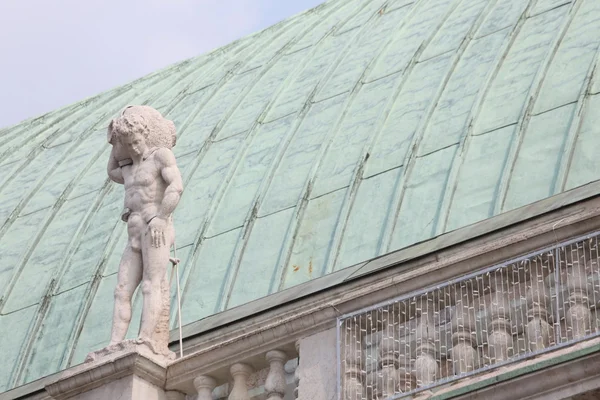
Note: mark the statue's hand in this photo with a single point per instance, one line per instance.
(157, 228)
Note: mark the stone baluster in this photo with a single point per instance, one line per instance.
(354, 375)
(406, 380)
(175, 395)
(500, 339)
(275, 383)
(389, 351)
(240, 373)
(578, 316)
(465, 357)
(426, 366)
(204, 387)
(297, 371)
(538, 331)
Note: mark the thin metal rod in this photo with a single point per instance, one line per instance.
(175, 263)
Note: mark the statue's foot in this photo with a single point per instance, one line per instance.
(111, 348)
(159, 350)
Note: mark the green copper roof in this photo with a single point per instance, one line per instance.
(354, 129)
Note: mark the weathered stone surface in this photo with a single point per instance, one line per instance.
(318, 366)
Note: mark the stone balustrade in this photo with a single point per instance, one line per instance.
(487, 319)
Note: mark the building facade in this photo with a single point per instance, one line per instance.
(383, 199)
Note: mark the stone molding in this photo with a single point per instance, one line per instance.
(88, 376)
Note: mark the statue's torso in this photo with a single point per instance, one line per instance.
(144, 187)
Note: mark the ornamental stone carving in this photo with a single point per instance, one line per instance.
(141, 159)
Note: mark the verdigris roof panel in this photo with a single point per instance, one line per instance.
(302, 85)
(206, 284)
(15, 329)
(259, 271)
(313, 243)
(366, 11)
(95, 330)
(585, 162)
(240, 194)
(503, 14)
(38, 269)
(88, 256)
(409, 111)
(292, 174)
(54, 338)
(17, 191)
(362, 53)
(455, 28)
(202, 187)
(479, 177)
(424, 20)
(424, 188)
(265, 89)
(349, 144)
(571, 64)
(545, 5)
(340, 134)
(505, 101)
(16, 240)
(450, 119)
(77, 157)
(371, 208)
(535, 169)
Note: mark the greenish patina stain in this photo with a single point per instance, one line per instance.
(351, 130)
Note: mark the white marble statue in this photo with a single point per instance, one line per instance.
(142, 161)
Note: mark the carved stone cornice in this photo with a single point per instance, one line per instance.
(88, 376)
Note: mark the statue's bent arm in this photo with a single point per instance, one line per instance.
(114, 170)
(172, 177)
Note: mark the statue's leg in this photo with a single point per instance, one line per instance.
(128, 279)
(156, 261)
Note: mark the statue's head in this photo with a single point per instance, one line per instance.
(132, 132)
(144, 122)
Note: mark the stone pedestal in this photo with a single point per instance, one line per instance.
(132, 372)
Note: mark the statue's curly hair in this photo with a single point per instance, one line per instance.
(157, 130)
(127, 125)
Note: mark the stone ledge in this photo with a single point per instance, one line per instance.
(564, 372)
(132, 359)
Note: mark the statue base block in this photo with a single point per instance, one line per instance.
(128, 370)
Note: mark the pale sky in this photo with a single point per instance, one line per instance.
(56, 52)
